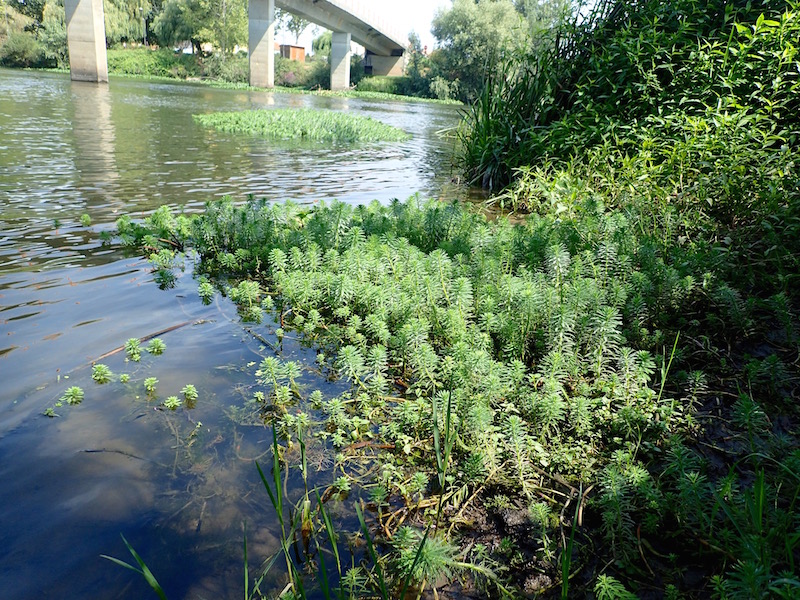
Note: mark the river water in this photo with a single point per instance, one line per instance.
(178, 485)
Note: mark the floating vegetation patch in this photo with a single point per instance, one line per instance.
(308, 125)
(371, 95)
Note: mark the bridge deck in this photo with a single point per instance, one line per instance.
(353, 16)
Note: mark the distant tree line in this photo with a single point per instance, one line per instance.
(473, 36)
(34, 31)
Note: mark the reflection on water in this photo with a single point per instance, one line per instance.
(95, 141)
(178, 484)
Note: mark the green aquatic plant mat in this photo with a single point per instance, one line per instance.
(307, 125)
(552, 362)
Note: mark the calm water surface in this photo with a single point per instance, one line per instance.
(179, 485)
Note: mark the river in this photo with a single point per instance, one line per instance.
(178, 485)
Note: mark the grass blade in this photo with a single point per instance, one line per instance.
(143, 570)
(372, 553)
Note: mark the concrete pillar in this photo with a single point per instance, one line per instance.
(86, 40)
(340, 61)
(387, 65)
(261, 42)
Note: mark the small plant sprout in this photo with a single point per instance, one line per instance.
(150, 385)
(124, 378)
(73, 396)
(133, 349)
(189, 392)
(86, 220)
(342, 484)
(172, 402)
(101, 373)
(156, 347)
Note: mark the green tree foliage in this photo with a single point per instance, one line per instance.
(124, 20)
(53, 34)
(222, 23)
(33, 9)
(226, 26)
(321, 44)
(21, 50)
(474, 35)
(294, 24)
(418, 67)
(179, 21)
(545, 15)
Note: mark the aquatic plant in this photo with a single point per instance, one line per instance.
(150, 384)
(306, 124)
(205, 290)
(552, 366)
(142, 569)
(172, 402)
(378, 95)
(189, 393)
(73, 396)
(156, 346)
(101, 373)
(124, 378)
(86, 220)
(133, 349)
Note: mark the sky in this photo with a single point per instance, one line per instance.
(413, 14)
(407, 15)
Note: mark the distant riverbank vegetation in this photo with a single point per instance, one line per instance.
(207, 39)
(598, 398)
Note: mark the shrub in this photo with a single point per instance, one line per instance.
(386, 85)
(233, 69)
(153, 63)
(22, 50)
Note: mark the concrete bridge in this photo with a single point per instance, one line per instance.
(347, 19)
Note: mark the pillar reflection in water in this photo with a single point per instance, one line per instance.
(95, 144)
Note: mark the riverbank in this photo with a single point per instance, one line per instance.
(232, 73)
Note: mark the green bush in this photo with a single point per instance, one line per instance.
(617, 71)
(153, 63)
(291, 73)
(319, 75)
(233, 69)
(22, 50)
(383, 84)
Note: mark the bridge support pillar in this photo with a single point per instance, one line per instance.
(261, 42)
(392, 66)
(340, 61)
(86, 40)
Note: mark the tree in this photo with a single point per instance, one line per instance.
(33, 9)
(222, 23)
(473, 36)
(53, 33)
(321, 45)
(544, 16)
(226, 26)
(180, 21)
(125, 19)
(294, 24)
(417, 68)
